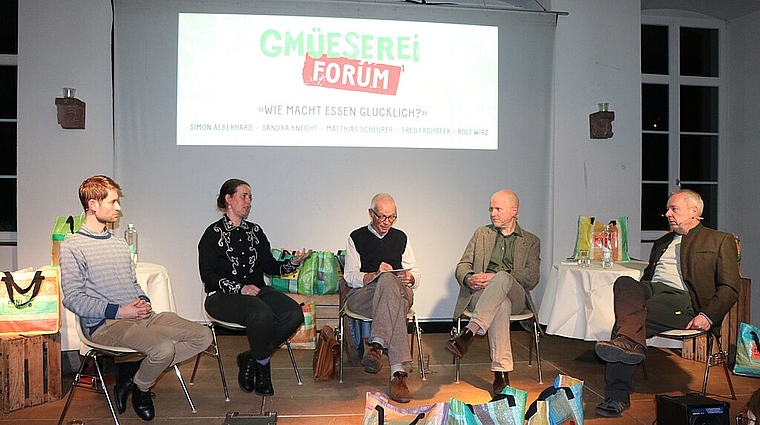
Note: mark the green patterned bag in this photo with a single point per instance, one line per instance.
(508, 408)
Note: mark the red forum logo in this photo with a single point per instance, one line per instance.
(349, 74)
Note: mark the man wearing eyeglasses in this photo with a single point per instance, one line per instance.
(382, 272)
(498, 268)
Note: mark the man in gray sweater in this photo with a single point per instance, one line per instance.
(100, 286)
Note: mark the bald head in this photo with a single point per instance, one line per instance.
(503, 208)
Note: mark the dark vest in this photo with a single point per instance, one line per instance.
(373, 250)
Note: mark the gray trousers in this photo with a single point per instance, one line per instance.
(164, 338)
(491, 308)
(386, 301)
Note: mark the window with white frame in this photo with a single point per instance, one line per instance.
(683, 77)
(8, 120)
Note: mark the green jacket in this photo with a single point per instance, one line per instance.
(710, 269)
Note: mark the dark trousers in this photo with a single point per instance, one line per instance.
(643, 309)
(270, 318)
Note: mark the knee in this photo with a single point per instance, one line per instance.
(205, 337)
(162, 352)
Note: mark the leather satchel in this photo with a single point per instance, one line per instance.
(326, 355)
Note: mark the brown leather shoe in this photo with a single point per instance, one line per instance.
(372, 357)
(500, 381)
(621, 349)
(459, 344)
(399, 391)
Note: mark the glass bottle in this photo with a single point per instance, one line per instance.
(130, 235)
(606, 248)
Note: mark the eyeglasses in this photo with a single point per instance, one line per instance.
(743, 419)
(388, 218)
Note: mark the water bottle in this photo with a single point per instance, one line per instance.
(130, 235)
(607, 249)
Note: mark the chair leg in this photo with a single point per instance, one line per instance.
(90, 355)
(457, 359)
(293, 362)
(184, 388)
(216, 353)
(713, 359)
(341, 348)
(418, 334)
(536, 340)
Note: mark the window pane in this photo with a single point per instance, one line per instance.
(654, 49)
(654, 107)
(699, 158)
(699, 52)
(699, 109)
(654, 157)
(709, 194)
(9, 27)
(8, 211)
(8, 148)
(8, 92)
(654, 198)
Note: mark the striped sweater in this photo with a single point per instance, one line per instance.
(97, 276)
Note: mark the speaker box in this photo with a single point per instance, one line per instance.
(691, 410)
(237, 418)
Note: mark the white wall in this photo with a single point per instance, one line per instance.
(61, 44)
(744, 127)
(596, 60)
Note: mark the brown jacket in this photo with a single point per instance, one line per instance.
(477, 254)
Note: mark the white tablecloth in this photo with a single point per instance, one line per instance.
(154, 280)
(577, 302)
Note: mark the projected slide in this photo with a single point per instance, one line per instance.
(250, 80)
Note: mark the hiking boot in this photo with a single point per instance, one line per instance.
(621, 349)
(611, 408)
(246, 372)
(459, 344)
(500, 381)
(372, 357)
(263, 380)
(399, 391)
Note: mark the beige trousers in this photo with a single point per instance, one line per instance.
(491, 309)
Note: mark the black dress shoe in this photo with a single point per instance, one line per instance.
(459, 344)
(143, 403)
(263, 380)
(247, 371)
(121, 392)
(126, 371)
(621, 349)
(500, 381)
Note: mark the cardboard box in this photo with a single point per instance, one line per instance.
(30, 370)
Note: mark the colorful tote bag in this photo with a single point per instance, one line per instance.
(30, 302)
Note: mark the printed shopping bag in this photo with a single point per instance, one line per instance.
(30, 302)
(319, 274)
(589, 238)
(63, 227)
(560, 404)
(508, 408)
(306, 335)
(747, 351)
(327, 273)
(287, 283)
(379, 411)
